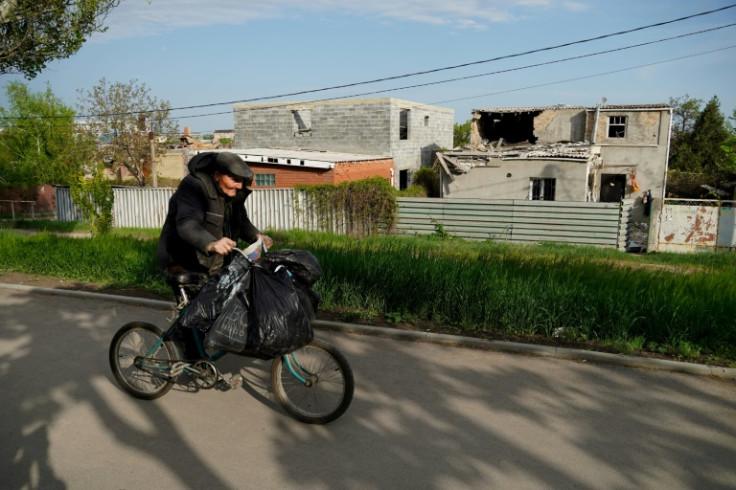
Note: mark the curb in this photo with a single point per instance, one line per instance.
(441, 339)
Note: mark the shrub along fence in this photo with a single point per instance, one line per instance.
(601, 224)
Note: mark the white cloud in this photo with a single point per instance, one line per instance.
(575, 6)
(150, 17)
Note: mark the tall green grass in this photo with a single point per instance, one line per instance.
(575, 292)
(676, 304)
(116, 261)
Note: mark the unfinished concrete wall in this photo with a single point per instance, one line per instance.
(407, 131)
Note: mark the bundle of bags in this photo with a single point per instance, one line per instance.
(261, 308)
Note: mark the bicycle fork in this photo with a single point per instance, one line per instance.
(311, 378)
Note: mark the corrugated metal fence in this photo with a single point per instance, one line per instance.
(604, 224)
(137, 207)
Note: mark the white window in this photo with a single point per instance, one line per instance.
(541, 189)
(617, 127)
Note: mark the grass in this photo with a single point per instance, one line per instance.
(679, 305)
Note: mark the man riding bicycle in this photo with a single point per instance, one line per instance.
(205, 220)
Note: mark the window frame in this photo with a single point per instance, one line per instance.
(270, 180)
(615, 122)
(542, 189)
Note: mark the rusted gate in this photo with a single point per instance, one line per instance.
(687, 225)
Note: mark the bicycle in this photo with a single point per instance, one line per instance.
(314, 384)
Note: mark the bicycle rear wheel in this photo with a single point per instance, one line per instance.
(325, 389)
(140, 360)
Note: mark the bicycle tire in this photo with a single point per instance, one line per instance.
(329, 391)
(136, 339)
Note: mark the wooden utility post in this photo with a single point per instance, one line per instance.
(153, 158)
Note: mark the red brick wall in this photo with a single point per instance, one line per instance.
(44, 197)
(289, 176)
(345, 172)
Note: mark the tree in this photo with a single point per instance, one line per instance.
(461, 134)
(700, 149)
(685, 112)
(33, 32)
(729, 147)
(121, 115)
(40, 140)
(708, 136)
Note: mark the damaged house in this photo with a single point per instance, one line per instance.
(562, 153)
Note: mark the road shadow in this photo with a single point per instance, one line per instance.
(423, 416)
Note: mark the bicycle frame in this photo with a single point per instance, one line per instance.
(289, 359)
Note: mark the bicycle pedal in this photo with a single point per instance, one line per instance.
(235, 381)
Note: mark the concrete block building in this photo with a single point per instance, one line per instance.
(407, 132)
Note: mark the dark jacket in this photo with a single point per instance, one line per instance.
(199, 213)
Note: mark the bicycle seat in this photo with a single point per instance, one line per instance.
(185, 278)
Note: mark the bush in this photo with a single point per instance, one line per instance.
(361, 207)
(429, 179)
(94, 198)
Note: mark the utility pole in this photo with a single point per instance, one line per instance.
(152, 142)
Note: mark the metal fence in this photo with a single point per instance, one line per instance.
(687, 225)
(603, 224)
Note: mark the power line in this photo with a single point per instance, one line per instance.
(586, 76)
(462, 65)
(435, 70)
(518, 89)
(468, 77)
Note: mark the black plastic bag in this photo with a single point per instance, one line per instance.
(301, 263)
(230, 330)
(217, 292)
(260, 310)
(282, 314)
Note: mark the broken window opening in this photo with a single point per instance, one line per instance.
(302, 121)
(542, 189)
(617, 126)
(426, 121)
(511, 127)
(404, 124)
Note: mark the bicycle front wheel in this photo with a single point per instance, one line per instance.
(140, 360)
(314, 384)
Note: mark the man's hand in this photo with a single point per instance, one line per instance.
(267, 241)
(223, 246)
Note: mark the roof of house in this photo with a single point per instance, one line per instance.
(619, 107)
(302, 158)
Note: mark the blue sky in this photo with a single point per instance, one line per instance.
(219, 51)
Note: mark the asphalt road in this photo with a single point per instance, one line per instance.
(424, 416)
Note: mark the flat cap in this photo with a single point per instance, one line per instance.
(232, 164)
